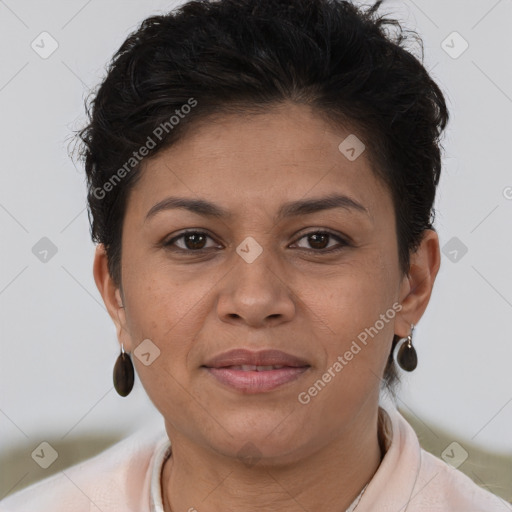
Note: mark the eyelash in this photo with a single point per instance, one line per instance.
(168, 244)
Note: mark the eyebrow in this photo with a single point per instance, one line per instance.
(287, 210)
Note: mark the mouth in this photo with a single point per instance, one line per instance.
(255, 368)
(256, 372)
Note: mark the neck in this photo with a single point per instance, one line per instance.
(328, 479)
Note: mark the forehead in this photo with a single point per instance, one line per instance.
(274, 157)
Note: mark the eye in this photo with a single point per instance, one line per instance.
(193, 241)
(319, 239)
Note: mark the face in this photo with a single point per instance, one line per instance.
(310, 282)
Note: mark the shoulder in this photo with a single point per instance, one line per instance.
(412, 479)
(117, 479)
(443, 487)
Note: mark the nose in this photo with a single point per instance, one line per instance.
(256, 294)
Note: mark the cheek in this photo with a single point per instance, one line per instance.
(355, 295)
(166, 317)
(356, 306)
(168, 309)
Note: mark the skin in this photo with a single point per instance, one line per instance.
(293, 297)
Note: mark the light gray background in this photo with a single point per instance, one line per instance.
(58, 344)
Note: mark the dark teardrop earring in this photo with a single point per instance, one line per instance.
(124, 375)
(407, 357)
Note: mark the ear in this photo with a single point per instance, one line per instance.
(416, 287)
(112, 296)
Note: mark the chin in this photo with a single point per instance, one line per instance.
(259, 439)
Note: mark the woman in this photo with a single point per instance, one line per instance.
(261, 182)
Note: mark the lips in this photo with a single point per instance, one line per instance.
(263, 360)
(255, 368)
(248, 372)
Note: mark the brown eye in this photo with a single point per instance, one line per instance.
(191, 241)
(194, 240)
(319, 240)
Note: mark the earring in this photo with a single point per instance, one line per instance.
(407, 357)
(124, 375)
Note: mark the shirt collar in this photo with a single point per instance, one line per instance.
(162, 453)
